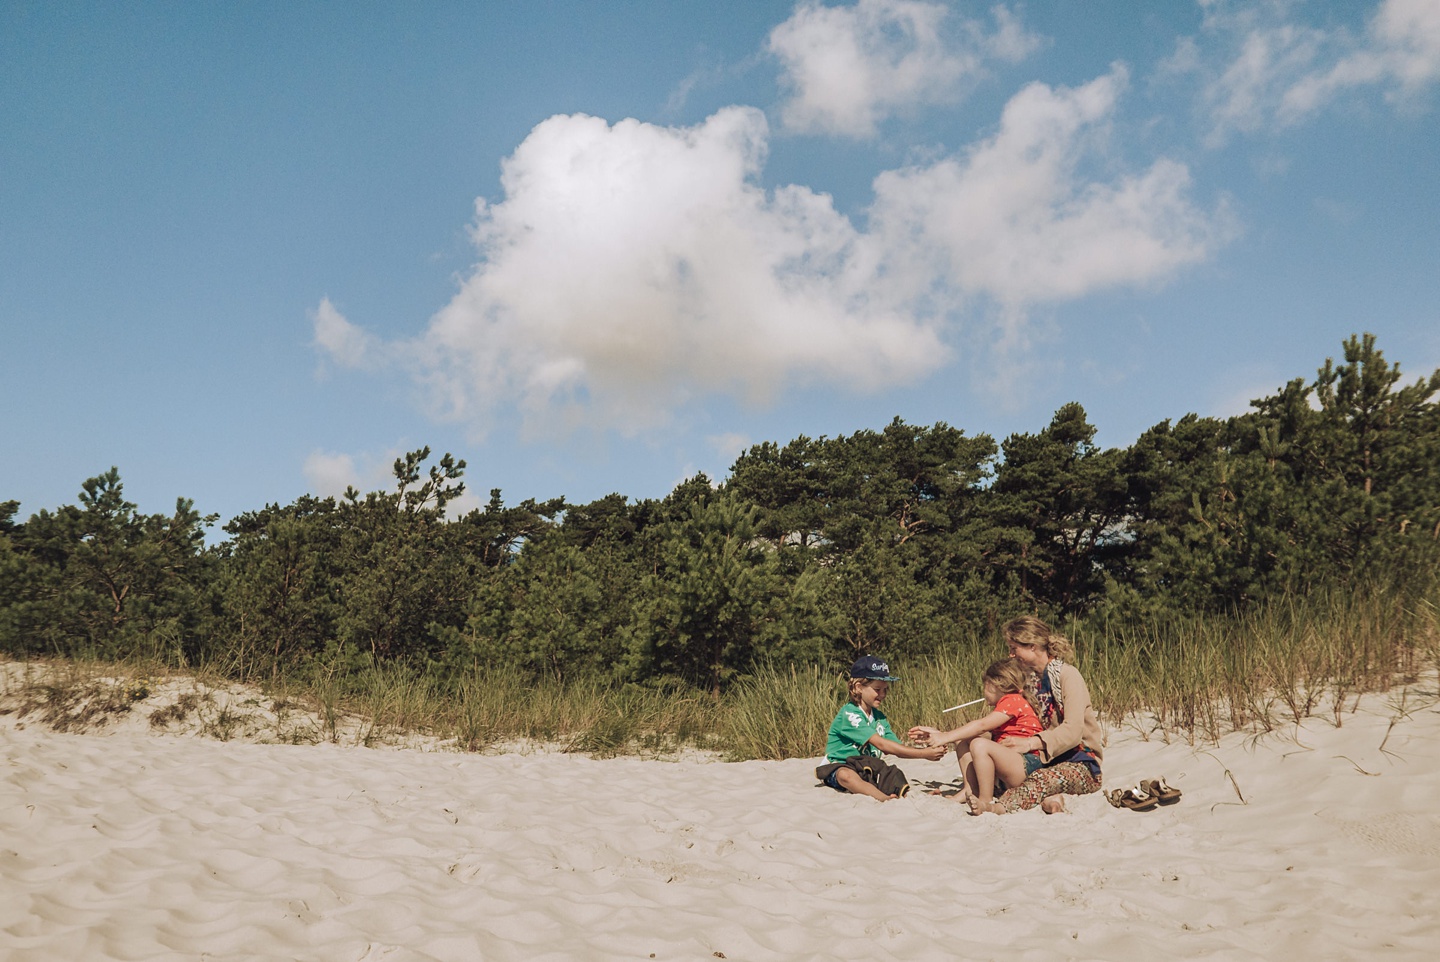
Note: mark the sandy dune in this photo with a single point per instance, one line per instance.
(131, 846)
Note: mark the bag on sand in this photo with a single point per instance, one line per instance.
(882, 775)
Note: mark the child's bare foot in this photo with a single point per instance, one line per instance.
(977, 807)
(1053, 804)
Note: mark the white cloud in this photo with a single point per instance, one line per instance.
(342, 341)
(631, 268)
(469, 500)
(1277, 71)
(1246, 96)
(847, 68)
(1011, 219)
(1401, 51)
(729, 445)
(1011, 42)
(1410, 31)
(329, 474)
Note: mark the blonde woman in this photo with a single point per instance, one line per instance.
(1071, 744)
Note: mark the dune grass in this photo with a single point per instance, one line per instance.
(1191, 678)
(1273, 666)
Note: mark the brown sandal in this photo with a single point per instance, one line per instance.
(1163, 791)
(1134, 798)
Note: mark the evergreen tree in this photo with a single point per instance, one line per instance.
(281, 582)
(715, 602)
(104, 579)
(1061, 504)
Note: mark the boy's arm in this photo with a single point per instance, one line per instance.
(933, 752)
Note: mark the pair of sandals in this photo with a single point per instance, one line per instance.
(1145, 795)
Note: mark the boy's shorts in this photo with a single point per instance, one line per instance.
(884, 776)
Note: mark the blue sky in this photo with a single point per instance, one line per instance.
(249, 251)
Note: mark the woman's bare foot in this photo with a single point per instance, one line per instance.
(1053, 804)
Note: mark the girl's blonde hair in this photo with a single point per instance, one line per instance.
(1011, 678)
(1029, 630)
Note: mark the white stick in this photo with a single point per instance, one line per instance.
(966, 705)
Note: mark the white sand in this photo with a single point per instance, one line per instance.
(131, 846)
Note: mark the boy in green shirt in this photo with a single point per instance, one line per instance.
(860, 734)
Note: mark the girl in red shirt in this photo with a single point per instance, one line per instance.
(983, 760)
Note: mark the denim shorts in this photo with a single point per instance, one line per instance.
(1033, 764)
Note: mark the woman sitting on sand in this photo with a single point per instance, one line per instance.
(1071, 744)
(1068, 748)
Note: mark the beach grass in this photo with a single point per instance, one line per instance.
(1193, 678)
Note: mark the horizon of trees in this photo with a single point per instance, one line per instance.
(899, 541)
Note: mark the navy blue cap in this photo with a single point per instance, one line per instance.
(873, 668)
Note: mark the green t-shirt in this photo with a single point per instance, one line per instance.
(850, 733)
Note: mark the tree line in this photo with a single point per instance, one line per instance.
(897, 541)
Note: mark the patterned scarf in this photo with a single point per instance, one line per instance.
(1052, 713)
(1048, 694)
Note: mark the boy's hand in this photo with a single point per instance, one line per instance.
(935, 753)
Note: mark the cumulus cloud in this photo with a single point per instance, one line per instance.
(1012, 219)
(630, 267)
(847, 68)
(1276, 71)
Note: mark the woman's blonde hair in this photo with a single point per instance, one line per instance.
(1029, 630)
(1011, 678)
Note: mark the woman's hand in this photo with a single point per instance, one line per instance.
(1033, 743)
